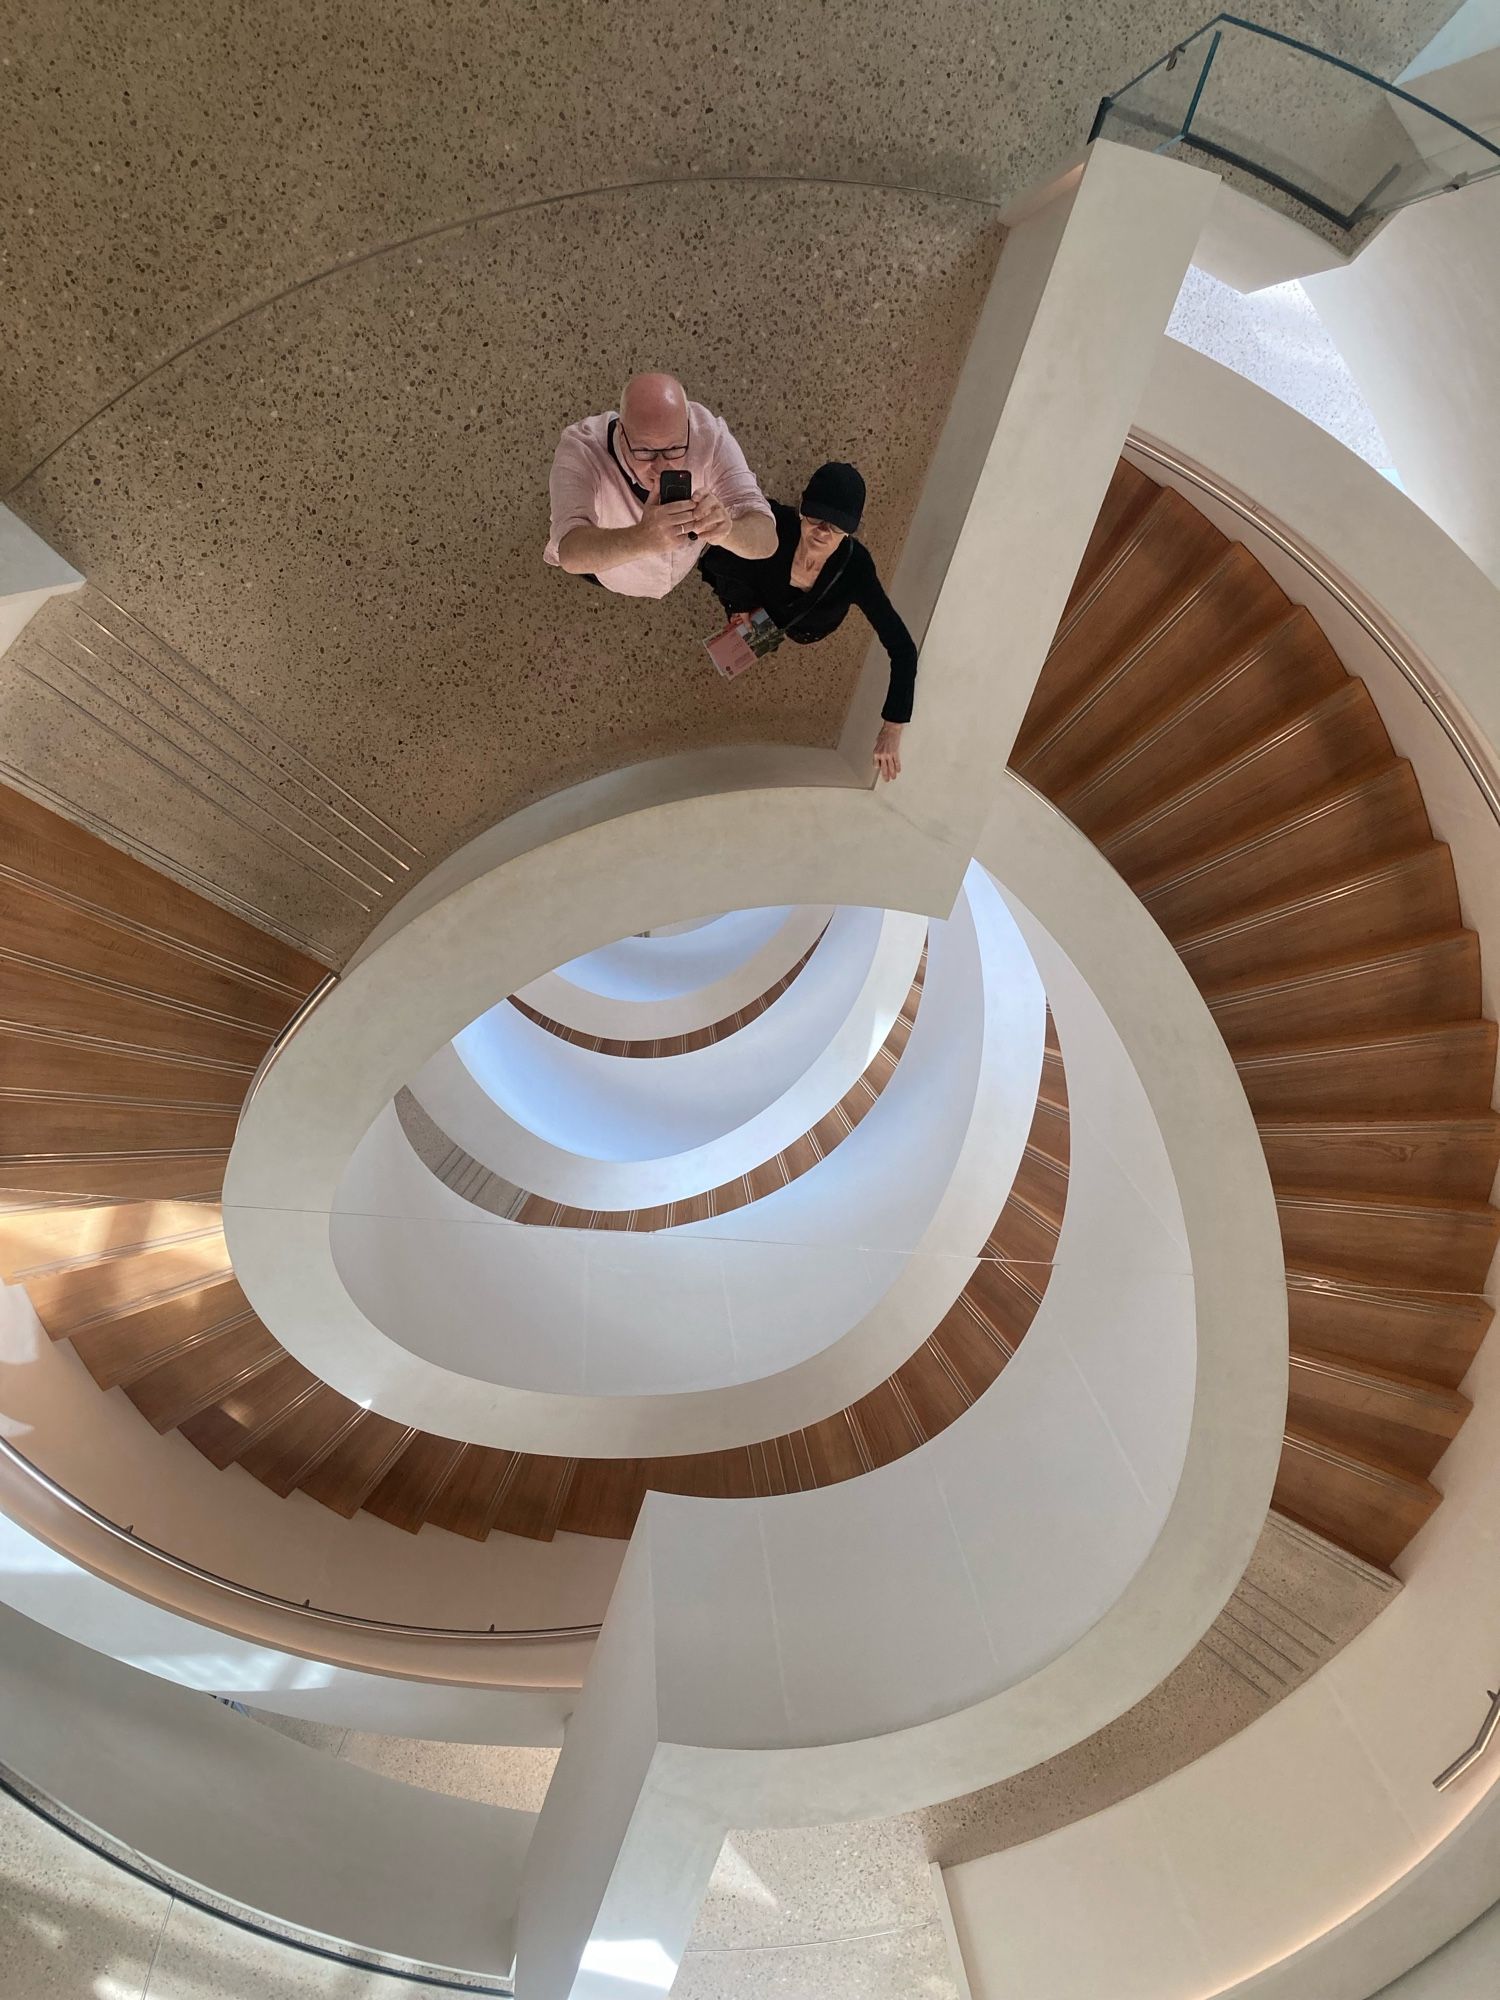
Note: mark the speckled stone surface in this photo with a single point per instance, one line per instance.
(909, 1964)
(71, 1925)
(491, 1774)
(335, 513)
(1275, 339)
(299, 300)
(200, 1958)
(168, 166)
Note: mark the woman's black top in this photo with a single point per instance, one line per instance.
(848, 577)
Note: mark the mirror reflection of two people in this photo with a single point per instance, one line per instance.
(625, 517)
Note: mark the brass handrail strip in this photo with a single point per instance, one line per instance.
(345, 1620)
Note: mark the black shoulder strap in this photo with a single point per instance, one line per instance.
(832, 571)
(630, 480)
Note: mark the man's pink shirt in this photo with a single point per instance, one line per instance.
(589, 490)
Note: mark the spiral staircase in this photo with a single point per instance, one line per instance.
(1201, 731)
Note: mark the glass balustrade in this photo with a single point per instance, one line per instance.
(1249, 100)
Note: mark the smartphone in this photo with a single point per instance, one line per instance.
(676, 484)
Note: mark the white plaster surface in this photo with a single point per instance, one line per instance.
(153, 1765)
(1417, 317)
(1275, 339)
(595, 1131)
(1204, 1883)
(953, 1644)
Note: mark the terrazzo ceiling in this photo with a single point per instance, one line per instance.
(300, 296)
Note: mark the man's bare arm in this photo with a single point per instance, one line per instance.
(588, 550)
(752, 535)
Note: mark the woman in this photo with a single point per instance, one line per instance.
(816, 573)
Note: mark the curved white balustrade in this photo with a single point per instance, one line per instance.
(1311, 1854)
(681, 977)
(745, 1297)
(247, 1814)
(733, 1329)
(594, 1131)
(1024, 1576)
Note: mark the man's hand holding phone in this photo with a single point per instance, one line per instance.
(665, 523)
(712, 519)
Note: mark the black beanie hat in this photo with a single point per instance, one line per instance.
(835, 494)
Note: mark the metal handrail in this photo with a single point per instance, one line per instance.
(346, 1620)
(1476, 1749)
(1470, 749)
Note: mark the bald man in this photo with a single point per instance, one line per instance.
(608, 519)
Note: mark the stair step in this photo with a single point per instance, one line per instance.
(1331, 742)
(605, 1497)
(41, 927)
(41, 1126)
(1362, 1502)
(116, 1351)
(1431, 1156)
(60, 1002)
(1251, 691)
(887, 1424)
(69, 1299)
(80, 1066)
(1450, 1067)
(1385, 1240)
(534, 1502)
(1397, 1418)
(1431, 1335)
(47, 1239)
(1340, 833)
(182, 1176)
(1227, 607)
(1129, 496)
(1024, 1233)
(474, 1489)
(293, 1448)
(361, 1458)
(1042, 1183)
(90, 873)
(969, 1343)
(233, 1423)
(408, 1489)
(1170, 547)
(1425, 987)
(198, 1374)
(1409, 895)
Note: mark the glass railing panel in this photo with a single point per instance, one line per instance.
(1262, 107)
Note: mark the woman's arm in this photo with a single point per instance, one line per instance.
(890, 629)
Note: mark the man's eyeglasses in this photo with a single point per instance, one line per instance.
(667, 454)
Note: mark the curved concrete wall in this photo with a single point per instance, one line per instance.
(1027, 1573)
(310, 1840)
(1311, 1855)
(593, 1131)
(785, 1311)
(688, 975)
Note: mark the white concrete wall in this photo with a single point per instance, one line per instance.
(1417, 317)
(247, 1814)
(1466, 1967)
(737, 1328)
(595, 1131)
(1310, 1858)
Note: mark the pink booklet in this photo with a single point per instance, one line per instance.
(748, 637)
